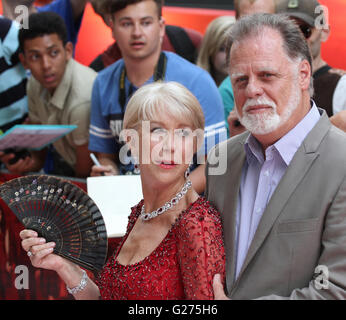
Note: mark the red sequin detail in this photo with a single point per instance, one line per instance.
(181, 267)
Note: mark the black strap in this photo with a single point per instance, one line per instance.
(181, 43)
(321, 71)
(159, 74)
(97, 64)
(160, 70)
(5, 26)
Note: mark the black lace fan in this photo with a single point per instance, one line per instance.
(61, 212)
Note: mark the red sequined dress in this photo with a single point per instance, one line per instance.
(181, 267)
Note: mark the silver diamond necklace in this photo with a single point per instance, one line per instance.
(168, 205)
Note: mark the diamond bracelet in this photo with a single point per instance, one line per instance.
(81, 286)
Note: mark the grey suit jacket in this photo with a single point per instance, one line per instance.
(303, 229)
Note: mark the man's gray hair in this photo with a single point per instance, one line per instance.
(295, 44)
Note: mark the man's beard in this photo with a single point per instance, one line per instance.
(268, 121)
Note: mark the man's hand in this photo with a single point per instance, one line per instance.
(219, 293)
(21, 166)
(107, 165)
(30, 162)
(97, 171)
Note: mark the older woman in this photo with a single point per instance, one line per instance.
(173, 245)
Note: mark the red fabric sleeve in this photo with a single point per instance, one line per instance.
(200, 251)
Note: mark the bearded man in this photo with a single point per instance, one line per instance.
(283, 196)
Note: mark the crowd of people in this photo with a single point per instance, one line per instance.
(237, 136)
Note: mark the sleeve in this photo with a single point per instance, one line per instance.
(8, 40)
(100, 134)
(64, 9)
(339, 96)
(209, 97)
(226, 92)
(200, 252)
(33, 112)
(328, 281)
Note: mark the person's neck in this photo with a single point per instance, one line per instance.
(318, 63)
(9, 10)
(156, 197)
(139, 71)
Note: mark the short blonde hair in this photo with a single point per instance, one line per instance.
(214, 38)
(171, 97)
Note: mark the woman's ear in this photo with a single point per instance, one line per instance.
(162, 28)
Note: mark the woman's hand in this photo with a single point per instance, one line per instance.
(42, 255)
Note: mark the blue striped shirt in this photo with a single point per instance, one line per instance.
(13, 99)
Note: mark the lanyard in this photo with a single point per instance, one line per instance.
(159, 74)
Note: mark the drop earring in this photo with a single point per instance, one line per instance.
(136, 169)
(187, 172)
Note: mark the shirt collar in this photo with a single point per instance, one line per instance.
(288, 145)
(253, 149)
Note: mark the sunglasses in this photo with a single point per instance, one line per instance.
(306, 30)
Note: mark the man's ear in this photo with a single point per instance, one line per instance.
(325, 32)
(111, 24)
(69, 50)
(305, 74)
(163, 27)
(22, 60)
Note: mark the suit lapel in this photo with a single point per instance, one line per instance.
(299, 166)
(233, 179)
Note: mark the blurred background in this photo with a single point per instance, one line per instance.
(95, 36)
